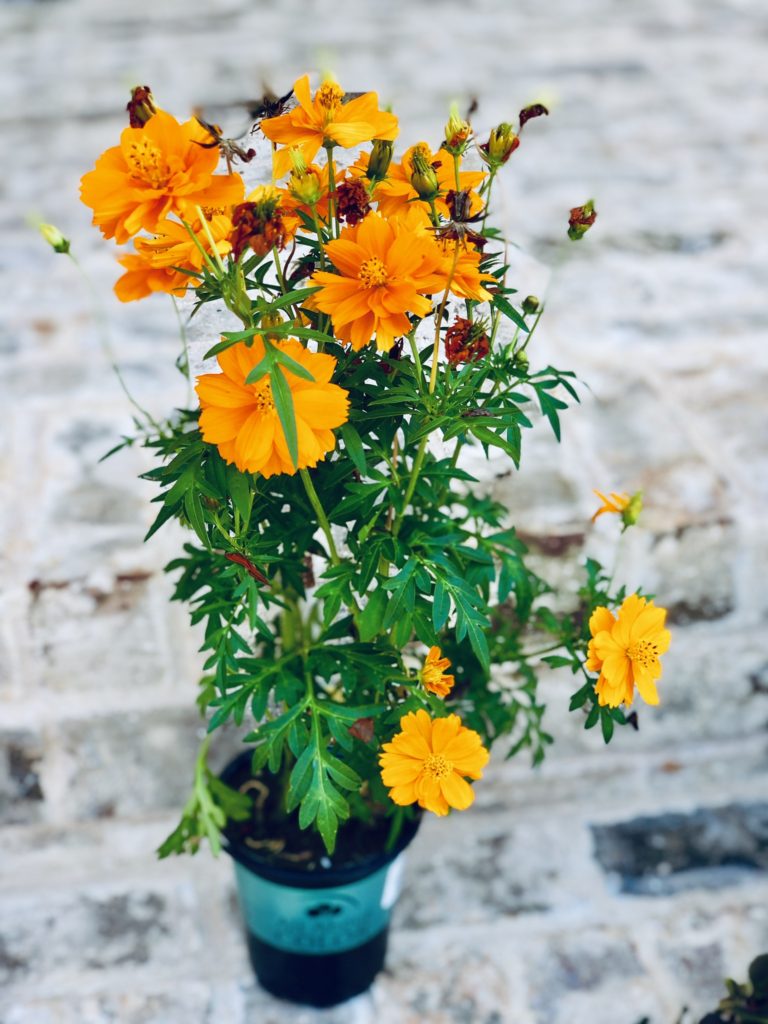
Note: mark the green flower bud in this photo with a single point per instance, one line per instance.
(631, 513)
(380, 159)
(501, 144)
(54, 238)
(457, 132)
(423, 178)
(531, 304)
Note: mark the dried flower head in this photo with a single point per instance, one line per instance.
(581, 220)
(141, 106)
(260, 223)
(466, 342)
(353, 201)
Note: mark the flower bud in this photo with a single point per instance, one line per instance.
(457, 132)
(423, 177)
(141, 106)
(304, 183)
(380, 159)
(54, 238)
(581, 220)
(501, 144)
(531, 305)
(521, 360)
(631, 512)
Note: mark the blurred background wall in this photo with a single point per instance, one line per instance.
(609, 885)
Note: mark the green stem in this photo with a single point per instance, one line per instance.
(106, 344)
(456, 161)
(185, 345)
(530, 333)
(415, 470)
(209, 236)
(333, 211)
(322, 518)
(416, 358)
(487, 199)
(439, 321)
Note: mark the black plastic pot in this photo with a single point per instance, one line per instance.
(315, 937)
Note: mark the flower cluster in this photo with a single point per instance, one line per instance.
(334, 547)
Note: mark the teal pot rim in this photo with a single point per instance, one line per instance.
(301, 878)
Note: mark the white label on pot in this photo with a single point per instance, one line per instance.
(393, 882)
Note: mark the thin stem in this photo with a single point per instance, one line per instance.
(530, 333)
(416, 358)
(487, 199)
(439, 321)
(209, 236)
(333, 210)
(185, 344)
(281, 279)
(322, 518)
(415, 470)
(456, 162)
(106, 344)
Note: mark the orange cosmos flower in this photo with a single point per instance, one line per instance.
(241, 419)
(326, 118)
(468, 280)
(152, 268)
(396, 192)
(433, 675)
(385, 272)
(429, 761)
(157, 170)
(625, 650)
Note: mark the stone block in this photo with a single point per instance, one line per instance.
(127, 764)
(96, 928)
(708, 848)
(21, 793)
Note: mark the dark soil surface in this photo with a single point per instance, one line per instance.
(275, 838)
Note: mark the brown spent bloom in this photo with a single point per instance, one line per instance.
(141, 106)
(466, 342)
(534, 110)
(260, 226)
(352, 201)
(581, 220)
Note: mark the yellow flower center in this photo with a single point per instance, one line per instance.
(372, 273)
(437, 766)
(329, 96)
(644, 652)
(262, 396)
(147, 164)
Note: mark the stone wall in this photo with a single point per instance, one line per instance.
(513, 913)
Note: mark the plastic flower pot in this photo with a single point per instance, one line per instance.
(315, 936)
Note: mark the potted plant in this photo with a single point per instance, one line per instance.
(358, 593)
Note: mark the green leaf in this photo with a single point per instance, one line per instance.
(372, 617)
(194, 512)
(509, 311)
(283, 399)
(606, 723)
(441, 606)
(240, 490)
(290, 364)
(354, 446)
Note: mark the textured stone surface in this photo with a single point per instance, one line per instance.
(507, 916)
